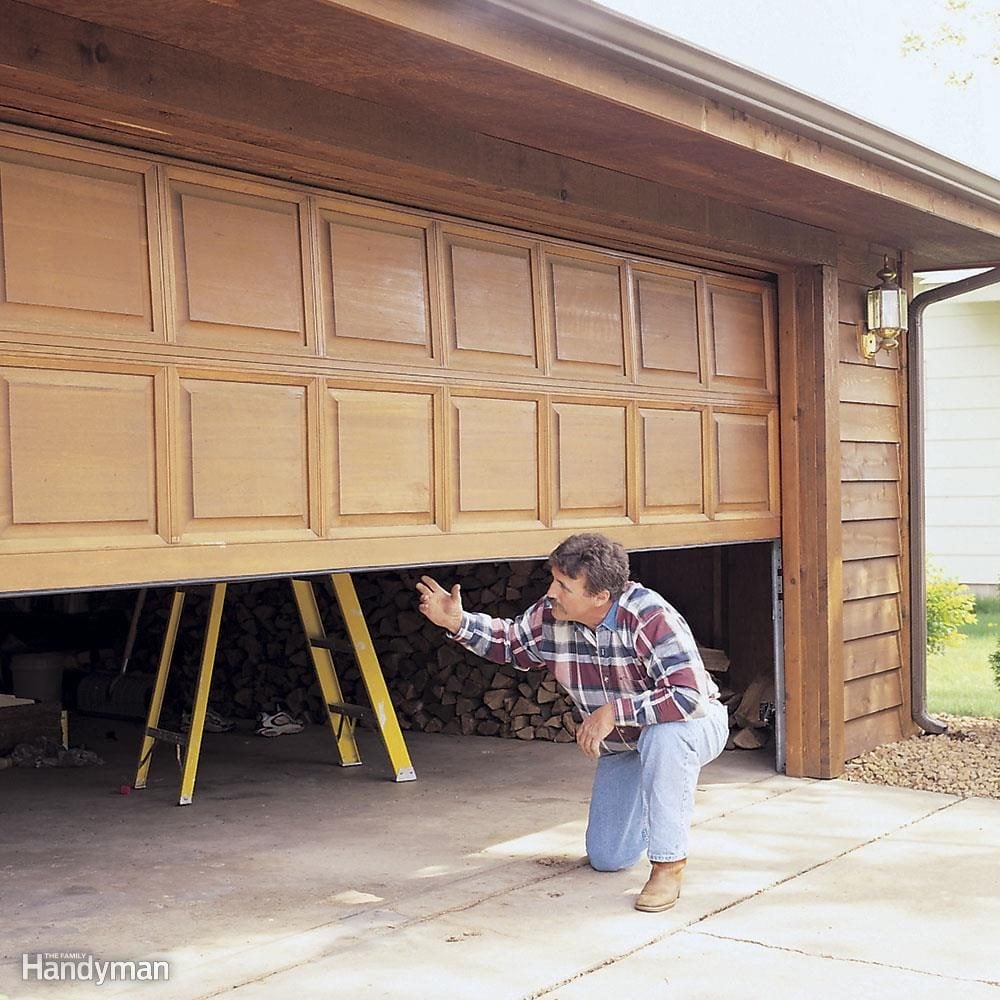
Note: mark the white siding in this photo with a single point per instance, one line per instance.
(962, 460)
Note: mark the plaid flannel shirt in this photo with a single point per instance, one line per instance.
(642, 658)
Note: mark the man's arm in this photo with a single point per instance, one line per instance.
(499, 640)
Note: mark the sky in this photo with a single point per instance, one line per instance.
(849, 53)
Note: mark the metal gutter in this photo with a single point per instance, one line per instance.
(696, 70)
(918, 542)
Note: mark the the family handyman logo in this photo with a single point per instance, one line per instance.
(77, 967)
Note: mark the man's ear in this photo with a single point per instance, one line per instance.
(602, 596)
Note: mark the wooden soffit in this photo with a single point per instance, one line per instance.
(403, 99)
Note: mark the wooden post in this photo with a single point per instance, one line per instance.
(811, 533)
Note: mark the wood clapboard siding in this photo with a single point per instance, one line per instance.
(871, 655)
(872, 730)
(872, 415)
(871, 578)
(242, 377)
(865, 696)
(871, 616)
(867, 539)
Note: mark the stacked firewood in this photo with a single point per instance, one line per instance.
(751, 709)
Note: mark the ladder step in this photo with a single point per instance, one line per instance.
(325, 643)
(348, 711)
(166, 736)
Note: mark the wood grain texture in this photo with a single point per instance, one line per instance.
(871, 616)
(670, 330)
(871, 655)
(867, 501)
(862, 422)
(76, 243)
(746, 455)
(279, 99)
(811, 538)
(869, 462)
(865, 696)
(384, 457)
(870, 539)
(491, 304)
(590, 450)
(494, 481)
(673, 462)
(79, 448)
(226, 428)
(868, 731)
(871, 577)
(586, 317)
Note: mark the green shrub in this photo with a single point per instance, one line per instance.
(950, 605)
(995, 664)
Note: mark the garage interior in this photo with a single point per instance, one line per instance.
(101, 657)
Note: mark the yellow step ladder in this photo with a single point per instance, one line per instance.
(342, 717)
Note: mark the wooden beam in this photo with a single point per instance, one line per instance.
(202, 107)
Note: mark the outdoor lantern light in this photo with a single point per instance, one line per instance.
(886, 314)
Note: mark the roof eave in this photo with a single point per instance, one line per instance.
(710, 76)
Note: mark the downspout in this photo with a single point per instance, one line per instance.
(918, 582)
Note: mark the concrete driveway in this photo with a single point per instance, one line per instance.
(291, 877)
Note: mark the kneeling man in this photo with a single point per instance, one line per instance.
(651, 713)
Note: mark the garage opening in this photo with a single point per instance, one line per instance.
(96, 653)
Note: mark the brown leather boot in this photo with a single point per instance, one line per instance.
(663, 888)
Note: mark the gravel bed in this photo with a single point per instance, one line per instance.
(964, 761)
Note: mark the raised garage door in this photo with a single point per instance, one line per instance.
(206, 376)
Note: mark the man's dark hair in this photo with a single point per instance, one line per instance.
(602, 562)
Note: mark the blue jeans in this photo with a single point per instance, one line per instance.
(643, 799)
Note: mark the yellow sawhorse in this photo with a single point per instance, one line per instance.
(342, 717)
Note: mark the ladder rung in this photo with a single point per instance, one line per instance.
(325, 642)
(166, 736)
(350, 711)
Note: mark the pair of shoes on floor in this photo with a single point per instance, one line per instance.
(278, 723)
(214, 723)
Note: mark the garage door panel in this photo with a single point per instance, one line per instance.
(746, 457)
(238, 268)
(383, 457)
(376, 287)
(673, 465)
(669, 328)
(590, 447)
(496, 456)
(490, 300)
(742, 347)
(586, 317)
(75, 246)
(243, 457)
(81, 454)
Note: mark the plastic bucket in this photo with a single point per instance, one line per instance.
(37, 675)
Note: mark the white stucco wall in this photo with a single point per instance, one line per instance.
(962, 424)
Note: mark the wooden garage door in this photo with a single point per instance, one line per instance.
(206, 376)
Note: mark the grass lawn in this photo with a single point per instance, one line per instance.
(960, 680)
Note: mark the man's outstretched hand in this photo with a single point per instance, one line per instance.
(440, 606)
